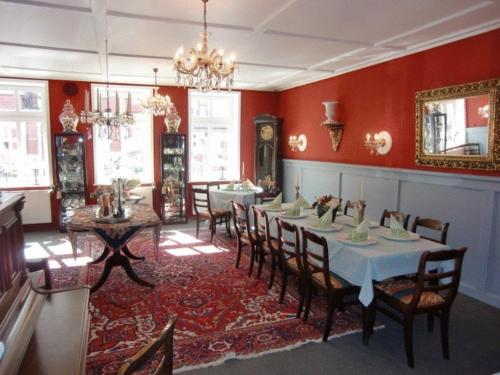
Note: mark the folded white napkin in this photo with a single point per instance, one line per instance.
(230, 186)
(293, 211)
(276, 203)
(360, 233)
(397, 228)
(325, 221)
(247, 185)
(301, 202)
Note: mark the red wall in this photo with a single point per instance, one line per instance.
(472, 106)
(252, 104)
(382, 97)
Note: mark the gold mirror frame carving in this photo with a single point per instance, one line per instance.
(488, 162)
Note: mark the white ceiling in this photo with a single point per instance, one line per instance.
(278, 43)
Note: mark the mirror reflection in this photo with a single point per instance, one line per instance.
(457, 126)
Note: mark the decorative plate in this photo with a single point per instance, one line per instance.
(343, 239)
(332, 228)
(285, 216)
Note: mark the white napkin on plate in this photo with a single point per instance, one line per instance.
(397, 228)
(276, 203)
(247, 185)
(325, 221)
(230, 186)
(360, 233)
(301, 202)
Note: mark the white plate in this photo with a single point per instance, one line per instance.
(332, 228)
(411, 236)
(293, 217)
(372, 224)
(343, 239)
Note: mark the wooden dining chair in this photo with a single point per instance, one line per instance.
(204, 212)
(318, 275)
(266, 245)
(434, 225)
(143, 356)
(430, 293)
(266, 196)
(215, 185)
(290, 260)
(350, 206)
(402, 217)
(244, 233)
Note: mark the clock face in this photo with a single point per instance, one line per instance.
(266, 132)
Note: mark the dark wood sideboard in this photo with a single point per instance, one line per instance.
(44, 332)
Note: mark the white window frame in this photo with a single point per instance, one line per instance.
(121, 90)
(43, 117)
(213, 123)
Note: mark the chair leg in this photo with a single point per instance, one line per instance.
(284, 279)
(238, 255)
(228, 227)
(252, 260)
(197, 227)
(329, 317)
(445, 323)
(430, 322)
(308, 301)
(273, 270)
(261, 260)
(302, 290)
(408, 332)
(212, 230)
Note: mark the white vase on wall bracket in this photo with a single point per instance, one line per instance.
(330, 108)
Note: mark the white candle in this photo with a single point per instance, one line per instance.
(98, 101)
(362, 189)
(86, 100)
(117, 100)
(129, 103)
(297, 179)
(243, 168)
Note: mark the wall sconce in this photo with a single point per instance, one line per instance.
(297, 143)
(335, 129)
(381, 143)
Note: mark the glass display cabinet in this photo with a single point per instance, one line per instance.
(70, 174)
(173, 177)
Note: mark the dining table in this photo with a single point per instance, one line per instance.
(115, 236)
(222, 198)
(364, 262)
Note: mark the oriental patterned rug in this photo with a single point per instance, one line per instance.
(222, 313)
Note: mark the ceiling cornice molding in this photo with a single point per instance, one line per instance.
(49, 48)
(450, 38)
(48, 5)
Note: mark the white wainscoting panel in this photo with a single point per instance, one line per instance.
(471, 204)
(37, 207)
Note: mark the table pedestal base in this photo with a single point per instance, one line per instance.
(118, 260)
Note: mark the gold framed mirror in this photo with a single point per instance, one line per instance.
(459, 126)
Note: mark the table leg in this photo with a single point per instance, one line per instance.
(118, 260)
(368, 321)
(130, 255)
(103, 256)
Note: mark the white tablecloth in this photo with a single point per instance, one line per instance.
(222, 198)
(360, 265)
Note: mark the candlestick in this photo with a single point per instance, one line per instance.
(129, 103)
(297, 192)
(297, 179)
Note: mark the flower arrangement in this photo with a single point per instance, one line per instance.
(324, 203)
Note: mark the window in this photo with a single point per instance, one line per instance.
(132, 155)
(214, 136)
(24, 134)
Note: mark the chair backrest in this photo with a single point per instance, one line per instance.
(350, 206)
(443, 282)
(241, 220)
(432, 224)
(213, 184)
(166, 340)
(402, 217)
(262, 230)
(266, 196)
(201, 201)
(316, 260)
(288, 242)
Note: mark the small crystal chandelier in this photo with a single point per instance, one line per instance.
(109, 122)
(204, 70)
(157, 104)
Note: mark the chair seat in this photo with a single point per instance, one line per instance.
(292, 263)
(274, 244)
(404, 291)
(336, 280)
(216, 212)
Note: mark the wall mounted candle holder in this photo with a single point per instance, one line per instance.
(380, 144)
(335, 129)
(298, 142)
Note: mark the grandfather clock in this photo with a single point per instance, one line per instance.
(267, 151)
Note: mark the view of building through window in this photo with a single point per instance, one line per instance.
(24, 140)
(131, 156)
(214, 145)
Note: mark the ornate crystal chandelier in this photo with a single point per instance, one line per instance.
(158, 105)
(109, 122)
(203, 69)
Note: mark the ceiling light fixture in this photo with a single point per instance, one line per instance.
(109, 122)
(157, 104)
(204, 70)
